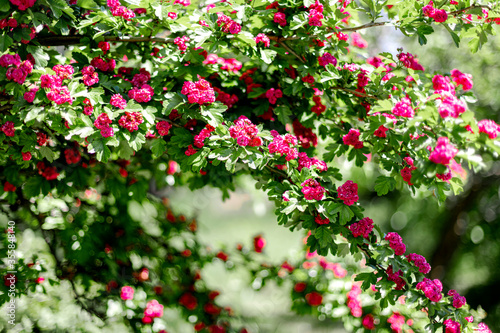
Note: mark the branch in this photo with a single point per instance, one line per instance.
(456, 12)
(76, 39)
(286, 47)
(364, 26)
(354, 92)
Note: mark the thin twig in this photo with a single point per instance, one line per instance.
(286, 47)
(365, 26)
(277, 171)
(354, 92)
(456, 12)
(76, 39)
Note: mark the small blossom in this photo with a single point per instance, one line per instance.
(131, 121)
(444, 152)
(262, 38)
(403, 108)
(163, 127)
(320, 220)
(245, 133)
(489, 127)
(352, 139)
(396, 243)
(127, 293)
(312, 190)
(362, 228)
(326, 59)
(431, 288)
(348, 193)
(280, 18)
(314, 298)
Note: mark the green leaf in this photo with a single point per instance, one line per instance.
(5, 43)
(158, 147)
(283, 112)
(87, 4)
(384, 184)
(4, 5)
(100, 149)
(40, 56)
(323, 236)
(34, 186)
(346, 214)
(267, 55)
(47, 153)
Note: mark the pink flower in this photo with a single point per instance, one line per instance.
(88, 108)
(141, 95)
(451, 326)
(64, 71)
(153, 309)
(181, 42)
(368, 322)
(420, 262)
(403, 108)
(444, 152)
(259, 243)
(118, 101)
(396, 243)
(489, 127)
(326, 59)
(440, 15)
(26, 156)
(172, 15)
(90, 76)
(131, 121)
(245, 132)
(352, 139)
(127, 293)
(29, 96)
(200, 92)
(204, 134)
(50, 81)
(314, 298)
(262, 38)
(431, 288)
(362, 228)
(104, 46)
(190, 151)
(462, 79)
(348, 193)
(284, 145)
(358, 41)
(273, 94)
(409, 61)
(163, 127)
(280, 18)
(312, 190)
(60, 95)
(23, 4)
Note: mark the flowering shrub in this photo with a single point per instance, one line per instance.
(121, 110)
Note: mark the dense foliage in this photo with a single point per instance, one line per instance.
(105, 103)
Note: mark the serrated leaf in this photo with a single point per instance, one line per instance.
(345, 214)
(267, 55)
(323, 236)
(5, 43)
(158, 147)
(47, 153)
(384, 184)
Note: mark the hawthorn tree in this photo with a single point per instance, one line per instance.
(104, 103)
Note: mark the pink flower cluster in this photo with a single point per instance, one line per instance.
(462, 79)
(118, 101)
(8, 22)
(102, 122)
(396, 278)
(90, 76)
(409, 61)
(60, 95)
(451, 326)
(354, 300)
(153, 310)
(50, 81)
(131, 121)
(368, 322)
(226, 99)
(381, 132)
(320, 220)
(273, 94)
(103, 65)
(29, 96)
(23, 4)
(449, 105)
(163, 127)
(431, 288)
(184, 3)
(348, 192)
(444, 152)
(64, 71)
(489, 127)
(118, 10)
(458, 301)
(308, 79)
(88, 108)
(104, 46)
(316, 14)
(200, 92)
(127, 293)
(397, 321)
(245, 132)
(407, 170)
(362, 228)
(142, 94)
(72, 155)
(284, 145)
(190, 151)
(352, 139)
(230, 64)
(8, 128)
(327, 58)
(318, 107)
(181, 42)
(141, 78)
(306, 162)
(306, 136)
(439, 15)
(420, 262)
(312, 190)
(396, 243)
(403, 108)
(358, 41)
(262, 38)
(338, 271)
(280, 18)
(17, 71)
(204, 133)
(227, 24)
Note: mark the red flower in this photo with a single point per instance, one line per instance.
(314, 298)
